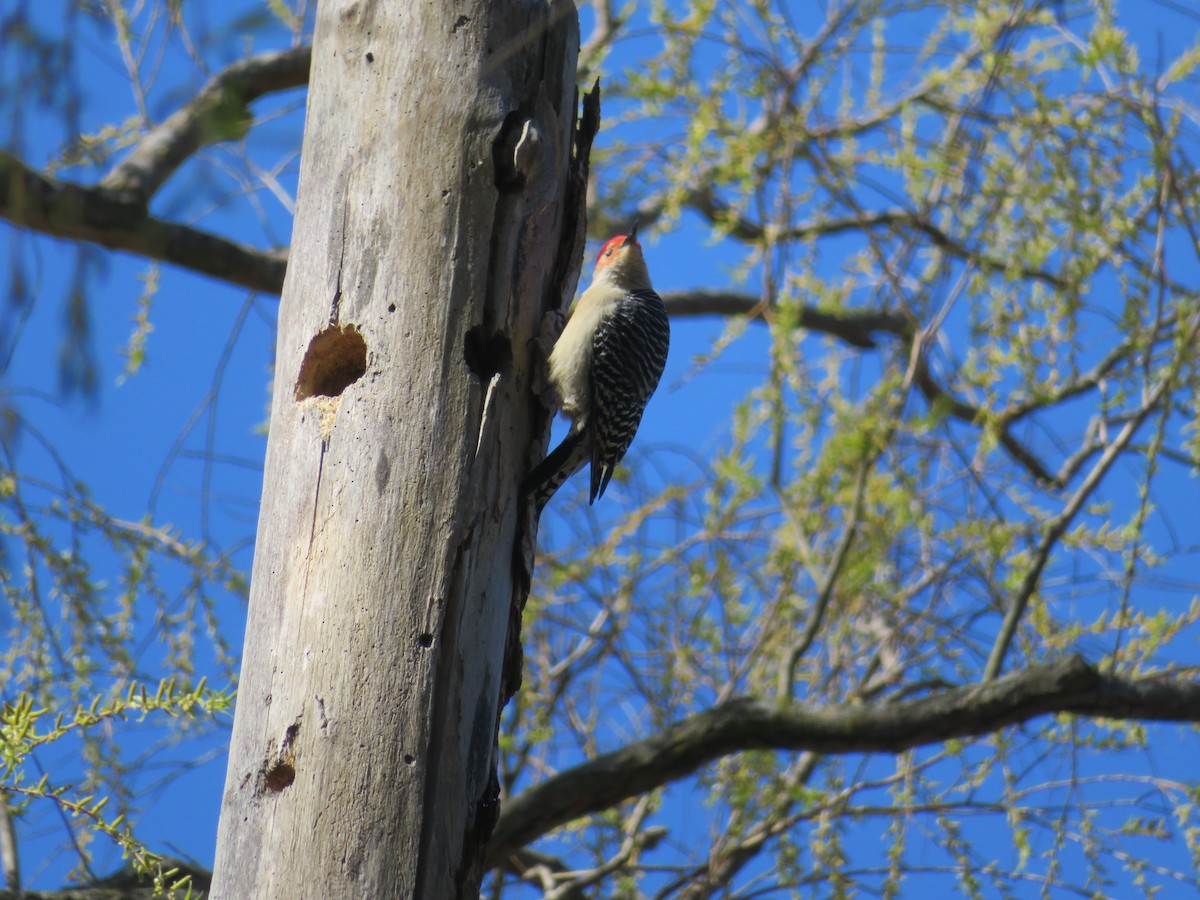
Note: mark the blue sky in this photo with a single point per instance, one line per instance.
(158, 442)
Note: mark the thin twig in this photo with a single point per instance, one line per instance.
(1057, 527)
(816, 615)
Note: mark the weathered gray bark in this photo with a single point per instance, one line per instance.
(433, 230)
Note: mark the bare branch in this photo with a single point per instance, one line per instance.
(966, 412)
(113, 214)
(35, 201)
(854, 326)
(124, 884)
(1070, 685)
(857, 328)
(726, 859)
(704, 201)
(1092, 379)
(607, 23)
(218, 113)
(120, 221)
(816, 615)
(1057, 526)
(539, 869)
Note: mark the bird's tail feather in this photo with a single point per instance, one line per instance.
(552, 472)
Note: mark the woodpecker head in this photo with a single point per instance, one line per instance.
(621, 261)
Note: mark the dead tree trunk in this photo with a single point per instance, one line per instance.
(437, 219)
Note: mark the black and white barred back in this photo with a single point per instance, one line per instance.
(629, 352)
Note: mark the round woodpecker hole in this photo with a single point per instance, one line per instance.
(335, 359)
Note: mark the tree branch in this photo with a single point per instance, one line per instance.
(1057, 526)
(857, 328)
(816, 615)
(124, 884)
(854, 326)
(934, 393)
(1070, 685)
(113, 214)
(120, 221)
(220, 112)
(705, 201)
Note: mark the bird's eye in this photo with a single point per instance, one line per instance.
(608, 252)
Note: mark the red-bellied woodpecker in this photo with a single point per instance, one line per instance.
(605, 366)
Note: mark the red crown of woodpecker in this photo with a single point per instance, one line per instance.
(615, 243)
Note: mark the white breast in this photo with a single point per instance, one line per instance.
(571, 359)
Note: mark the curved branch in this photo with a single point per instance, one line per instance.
(120, 221)
(1056, 527)
(1070, 685)
(854, 326)
(704, 201)
(113, 214)
(959, 409)
(857, 328)
(219, 112)
(124, 884)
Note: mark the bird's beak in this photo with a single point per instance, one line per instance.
(631, 238)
